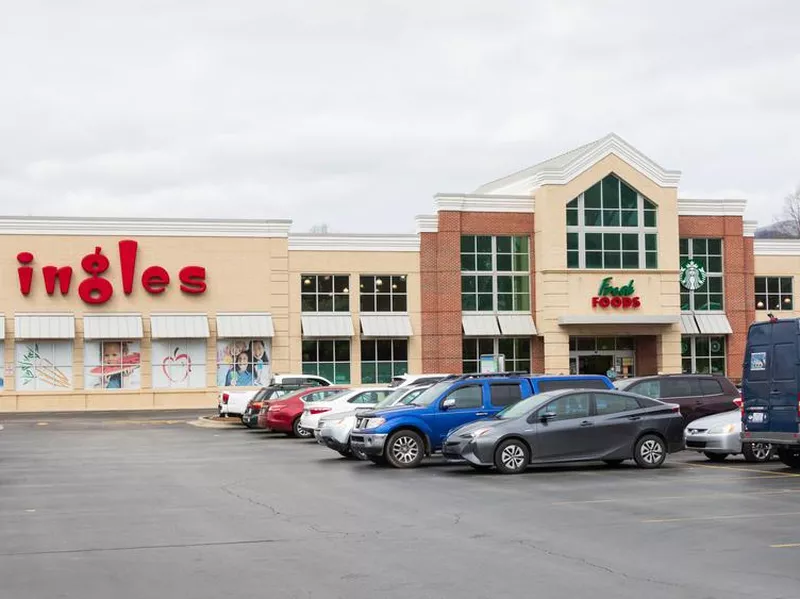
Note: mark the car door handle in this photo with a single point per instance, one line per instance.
(481, 413)
(587, 423)
(634, 417)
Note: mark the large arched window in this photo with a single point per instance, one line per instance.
(611, 225)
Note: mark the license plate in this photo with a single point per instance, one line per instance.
(757, 417)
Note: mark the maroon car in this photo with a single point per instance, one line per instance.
(698, 395)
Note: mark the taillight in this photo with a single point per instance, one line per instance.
(225, 398)
(319, 410)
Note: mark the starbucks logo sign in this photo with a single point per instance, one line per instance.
(693, 275)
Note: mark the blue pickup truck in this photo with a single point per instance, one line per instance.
(402, 436)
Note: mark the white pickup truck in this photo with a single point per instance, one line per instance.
(234, 403)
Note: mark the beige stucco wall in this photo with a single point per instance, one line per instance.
(355, 264)
(779, 266)
(561, 291)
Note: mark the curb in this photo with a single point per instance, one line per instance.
(206, 423)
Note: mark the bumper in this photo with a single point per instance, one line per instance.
(281, 424)
(475, 451)
(729, 443)
(368, 444)
(324, 437)
(770, 437)
(250, 418)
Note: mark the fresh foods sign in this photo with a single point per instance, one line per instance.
(609, 296)
(95, 288)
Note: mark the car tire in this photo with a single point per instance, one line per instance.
(650, 452)
(757, 452)
(299, 432)
(716, 457)
(404, 449)
(790, 456)
(613, 463)
(512, 457)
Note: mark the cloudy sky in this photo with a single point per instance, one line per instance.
(355, 112)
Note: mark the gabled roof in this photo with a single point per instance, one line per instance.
(565, 167)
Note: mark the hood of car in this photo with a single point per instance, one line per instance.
(391, 412)
(478, 424)
(717, 419)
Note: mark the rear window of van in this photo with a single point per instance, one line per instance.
(571, 384)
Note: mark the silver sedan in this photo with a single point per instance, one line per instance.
(717, 437)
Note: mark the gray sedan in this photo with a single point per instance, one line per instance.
(718, 437)
(569, 426)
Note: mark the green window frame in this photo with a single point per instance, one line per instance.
(329, 358)
(517, 352)
(325, 293)
(703, 354)
(774, 293)
(383, 293)
(495, 273)
(382, 359)
(708, 253)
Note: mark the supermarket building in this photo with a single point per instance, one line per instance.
(587, 262)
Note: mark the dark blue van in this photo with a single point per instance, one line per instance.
(771, 387)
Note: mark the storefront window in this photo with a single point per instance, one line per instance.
(181, 364)
(703, 354)
(381, 359)
(243, 362)
(611, 226)
(43, 365)
(774, 293)
(325, 293)
(705, 291)
(2, 365)
(112, 364)
(329, 358)
(495, 273)
(383, 293)
(517, 352)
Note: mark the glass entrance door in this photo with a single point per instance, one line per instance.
(599, 355)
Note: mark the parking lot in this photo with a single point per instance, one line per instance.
(133, 506)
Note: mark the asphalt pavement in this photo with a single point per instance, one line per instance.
(145, 505)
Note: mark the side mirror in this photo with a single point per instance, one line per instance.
(547, 416)
(448, 403)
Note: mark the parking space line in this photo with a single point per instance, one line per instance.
(709, 518)
(785, 546)
(771, 472)
(677, 497)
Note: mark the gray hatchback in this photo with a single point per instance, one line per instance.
(569, 426)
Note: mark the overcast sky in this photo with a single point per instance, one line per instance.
(355, 112)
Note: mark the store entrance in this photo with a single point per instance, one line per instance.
(602, 355)
(595, 364)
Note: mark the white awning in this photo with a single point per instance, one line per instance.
(520, 325)
(713, 324)
(44, 326)
(245, 325)
(605, 318)
(480, 325)
(688, 325)
(112, 326)
(386, 325)
(179, 326)
(327, 325)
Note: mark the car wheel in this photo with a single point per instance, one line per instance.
(790, 456)
(650, 452)
(613, 463)
(300, 432)
(716, 457)
(405, 449)
(757, 452)
(512, 457)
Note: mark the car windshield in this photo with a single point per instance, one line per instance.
(428, 396)
(391, 399)
(526, 406)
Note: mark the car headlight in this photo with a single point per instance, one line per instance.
(722, 429)
(480, 432)
(374, 422)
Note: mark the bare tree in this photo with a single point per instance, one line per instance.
(319, 229)
(790, 222)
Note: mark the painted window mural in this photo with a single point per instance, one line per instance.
(179, 364)
(112, 364)
(43, 365)
(243, 362)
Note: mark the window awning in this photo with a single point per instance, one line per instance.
(327, 325)
(44, 326)
(245, 325)
(179, 326)
(617, 319)
(112, 326)
(480, 325)
(386, 325)
(713, 324)
(688, 325)
(520, 325)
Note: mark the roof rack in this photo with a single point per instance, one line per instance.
(489, 375)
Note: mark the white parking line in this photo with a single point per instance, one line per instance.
(676, 497)
(728, 517)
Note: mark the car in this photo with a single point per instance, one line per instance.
(403, 436)
(334, 430)
(236, 403)
(262, 396)
(353, 399)
(283, 415)
(308, 380)
(571, 426)
(771, 387)
(404, 380)
(698, 395)
(719, 436)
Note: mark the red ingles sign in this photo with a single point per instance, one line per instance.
(609, 296)
(95, 289)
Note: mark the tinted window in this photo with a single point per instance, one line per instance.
(556, 385)
(504, 395)
(566, 407)
(650, 388)
(412, 395)
(368, 397)
(614, 404)
(470, 396)
(678, 387)
(710, 387)
(293, 381)
(784, 361)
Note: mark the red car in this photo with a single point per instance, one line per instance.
(283, 415)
